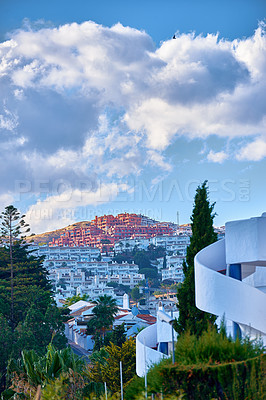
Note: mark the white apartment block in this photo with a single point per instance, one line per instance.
(91, 289)
(173, 272)
(67, 253)
(129, 244)
(94, 290)
(105, 268)
(174, 243)
(174, 268)
(79, 277)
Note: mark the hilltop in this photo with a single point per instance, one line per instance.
(47, 237)
(104, 231)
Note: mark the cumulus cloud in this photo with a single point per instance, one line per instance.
(5, 200)
(254, 151)
(218, 157)
(60, 208)
(84, 102)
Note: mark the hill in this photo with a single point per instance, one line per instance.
(47, 237)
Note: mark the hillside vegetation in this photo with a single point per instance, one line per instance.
(47, 237)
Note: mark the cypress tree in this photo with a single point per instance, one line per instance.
(190, 317)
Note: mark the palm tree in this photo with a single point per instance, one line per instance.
(104, 312)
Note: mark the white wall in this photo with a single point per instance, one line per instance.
(146, 357)
(245, 240)
(219, 294)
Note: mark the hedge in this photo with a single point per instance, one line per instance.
(242, 380)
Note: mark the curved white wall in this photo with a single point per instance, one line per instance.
(219, 294)
(147, 337)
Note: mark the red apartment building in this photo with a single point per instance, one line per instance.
(104, 231)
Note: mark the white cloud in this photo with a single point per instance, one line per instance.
(5, 200)
(84, 101)
(254, 151)
(61, 209)
(251, 51)
(158, 160)
(193, 85)
(218, 157)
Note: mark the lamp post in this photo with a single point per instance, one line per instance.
(173, 338)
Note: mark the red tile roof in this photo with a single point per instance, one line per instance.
(148, 318)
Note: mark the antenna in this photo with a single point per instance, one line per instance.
(177, 218)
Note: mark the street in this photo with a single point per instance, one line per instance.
(79, 351)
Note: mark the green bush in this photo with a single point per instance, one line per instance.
(213, 347)
(235, 380)
(210, 367)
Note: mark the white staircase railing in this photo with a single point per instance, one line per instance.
(221, 295)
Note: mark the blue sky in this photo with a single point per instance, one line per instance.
(101, 111)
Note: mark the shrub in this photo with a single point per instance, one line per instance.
(235, 380)
(210, 367)
(213, 347)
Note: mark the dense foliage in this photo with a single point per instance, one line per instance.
(105, 365)
(190, 317)
(103, 315)
(32, 370)
(210, 367)
(28, 314)
(74, 299)
(117, 336)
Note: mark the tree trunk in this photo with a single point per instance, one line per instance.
(11, 277)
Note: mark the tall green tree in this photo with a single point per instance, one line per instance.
(30, 283)
(103, 318)
(28, 314)
(11, 229)
(107, 368)
(190, 317)
(117, 336)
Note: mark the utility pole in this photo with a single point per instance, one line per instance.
(121, 381)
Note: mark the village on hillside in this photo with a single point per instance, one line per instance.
(134, 259)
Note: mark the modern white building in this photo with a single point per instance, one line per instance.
(230, 282)
(155, 342)
(94, 289)
(230, 277)
(171, 243)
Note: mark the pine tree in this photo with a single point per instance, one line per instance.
(28, 314)
(12, 227)
(190, 317)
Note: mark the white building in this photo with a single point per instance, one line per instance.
(154, 343)
(95, 288)
(239, 295)
(113, 268)
(230, 282)
(130, 244)
(175, 243)
(174, 272)
(64, 253)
